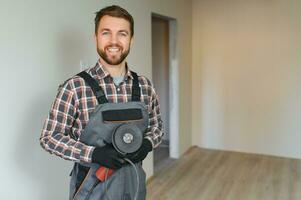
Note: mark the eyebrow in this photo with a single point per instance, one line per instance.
(124, 31)
(107, 29)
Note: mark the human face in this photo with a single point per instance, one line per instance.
(113, 39)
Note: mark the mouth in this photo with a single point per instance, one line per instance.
(113, 50)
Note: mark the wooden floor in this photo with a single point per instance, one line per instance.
(218, 175)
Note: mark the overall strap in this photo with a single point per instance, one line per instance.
(135, 88)
(97, 90)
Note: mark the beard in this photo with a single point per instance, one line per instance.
(113, 60)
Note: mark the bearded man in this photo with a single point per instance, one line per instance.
(96, 103)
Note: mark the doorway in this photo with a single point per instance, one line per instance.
(165, 80)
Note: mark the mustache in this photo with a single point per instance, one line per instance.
(113, 45)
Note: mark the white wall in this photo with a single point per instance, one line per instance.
(42, 43)
(246, 76)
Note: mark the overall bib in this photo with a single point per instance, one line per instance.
(108, 120)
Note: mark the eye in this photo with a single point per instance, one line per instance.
(123, 34)
(105, 33)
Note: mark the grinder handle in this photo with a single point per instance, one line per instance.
(103, 173)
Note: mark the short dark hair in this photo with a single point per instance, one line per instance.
(114, 11)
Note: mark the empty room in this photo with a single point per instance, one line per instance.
(193, 99)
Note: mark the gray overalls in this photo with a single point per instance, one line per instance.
(107, 118)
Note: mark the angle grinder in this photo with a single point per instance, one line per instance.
(126, 138)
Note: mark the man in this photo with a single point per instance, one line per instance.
(68, 130)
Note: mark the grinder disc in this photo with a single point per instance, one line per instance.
(127, 138)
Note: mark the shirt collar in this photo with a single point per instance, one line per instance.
(102, 72)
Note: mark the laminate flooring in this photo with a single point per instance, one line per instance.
(202, 174)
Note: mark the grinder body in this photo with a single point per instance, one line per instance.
(126, 138)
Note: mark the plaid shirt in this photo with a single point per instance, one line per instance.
(74, 104)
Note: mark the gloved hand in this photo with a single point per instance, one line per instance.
(107, 157)
(142, 152)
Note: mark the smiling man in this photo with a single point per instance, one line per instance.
(113, 39)
(95, 108)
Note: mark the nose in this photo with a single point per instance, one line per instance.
(114, 38)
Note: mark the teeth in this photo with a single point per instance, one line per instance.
(113, 49)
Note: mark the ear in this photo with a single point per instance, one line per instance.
(132, 41)
(95, 38)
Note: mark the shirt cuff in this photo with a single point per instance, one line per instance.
(86, 154)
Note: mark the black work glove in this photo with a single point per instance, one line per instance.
(142, 152)
(107, 157)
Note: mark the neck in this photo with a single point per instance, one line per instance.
(114, 70)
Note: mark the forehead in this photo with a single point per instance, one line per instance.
(113, 23)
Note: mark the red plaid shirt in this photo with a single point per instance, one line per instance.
(74, 104)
